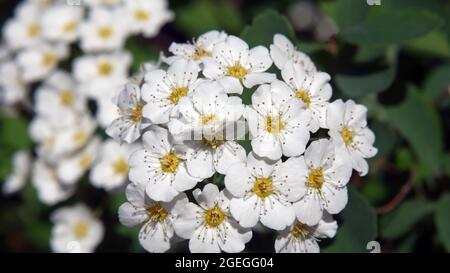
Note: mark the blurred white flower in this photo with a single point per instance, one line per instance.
(61, 23)
(127, 127)
(24, 29)
(101, 75)
(278, 123)
(59, 100)
(103, 3)
(163, 90)
(160, 166)
(322, 175)
(156, 218)
(282, 50)
(111, 168)
(207, 114)
(147, 16)
(200, 47)
(12, 87)
(76, 229)
(209, 225)
(233, 64)
(262, 191)
(312, 88)
(71, 169)
(301, 238)
(49, 188)
(38, 61)
(21, 165)
(104, 30)
(348, 129)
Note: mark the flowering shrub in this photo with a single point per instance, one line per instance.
(190, 117)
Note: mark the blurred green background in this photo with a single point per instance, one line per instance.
(393, 57)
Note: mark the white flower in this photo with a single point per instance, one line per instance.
(111, 169)
(76, 229)
(209, 226)
(163, 90)
(160, 166)
(12, 88)
(104, 30)
(103, 74)
(127, 127)
(102, 3)
(301, 238)
(71, 169)
(20, 170)
(156, 218)
(312, 88)
(147, 16)
(283, 50)
(49, 188)
(322, 176)
(233, 64)
(208, 113)
(262, 192)
(200, 48)
(24, 30)
(107, 110)
(278, 123)
(59, 99)
(38, 61)
(348, 129)
(61, 23)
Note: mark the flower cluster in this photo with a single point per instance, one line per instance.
(192, 121)
(34, 60)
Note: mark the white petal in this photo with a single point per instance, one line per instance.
(276, 215)
(308, 209)
(129, 215)
(256, 78)
(238, 179)
(246, 212)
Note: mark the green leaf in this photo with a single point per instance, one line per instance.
(419, 124)
(14, 134)
(201, 16)
(357, 86)
(437, 83)
(140, 53)
(367, 53)
(442, 220)
(264, 26)
(434, 43)
(359, 225)
(348, 13)
(391, 26)
(404, 218)
(385, 139)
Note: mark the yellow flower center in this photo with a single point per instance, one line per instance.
(347, 135)
(177, 93)
(80, 230)
(70, 26)
(66, 98)
(85, 161)
(206, 119)
(274, 124)
(33, 29)
(105, 32)
(315, 179)
(263, 187)
(300, 230)
(237, 71)
(120, 166)
(141, 15)
(136, 113)
(200, 53)
(169, 163)
(48, 59)
(304, 96)
(214, 217)
(213, 143)
(157, 213)
(104, 68)
(80, 136)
